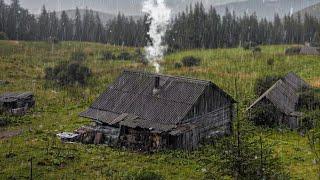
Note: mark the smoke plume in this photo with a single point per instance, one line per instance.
(159, 19)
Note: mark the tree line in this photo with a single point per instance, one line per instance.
(19, 24)
(193, 28)
(198, 28)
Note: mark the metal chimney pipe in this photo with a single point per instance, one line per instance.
(157, 82)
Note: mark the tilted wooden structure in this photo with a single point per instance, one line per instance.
(284, 95)
(16, 103)
(309, 50)
(155, 111)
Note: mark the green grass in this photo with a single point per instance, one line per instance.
(234, 70)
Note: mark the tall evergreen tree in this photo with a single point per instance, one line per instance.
(53, 25)
(78, 26)
(44, 24)
(65, 27)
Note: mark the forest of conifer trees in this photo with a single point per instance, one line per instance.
(193, 28)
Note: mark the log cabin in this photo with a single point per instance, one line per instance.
(150, 111)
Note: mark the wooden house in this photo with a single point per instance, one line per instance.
(154, 111)
(309, 50)
(16, 103)
(284, 96)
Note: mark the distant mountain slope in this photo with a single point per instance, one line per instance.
(312, 10)
(267, 8)
(263, 8)
(105, 17)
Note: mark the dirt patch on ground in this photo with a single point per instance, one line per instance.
(315, 82)
(9, 134)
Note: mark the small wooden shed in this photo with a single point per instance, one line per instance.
(156, 111)
(309, 50)
(284, 95)
(16, 103)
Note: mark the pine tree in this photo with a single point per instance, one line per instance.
(78, 26)
(43, 24)
(65, 27)
(53, 25)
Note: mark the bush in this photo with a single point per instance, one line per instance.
(256, 50)
(146, 175)
(107, 55)
(177, 65)
(263, 84)
(78, 56)
(249, 45)
(265, 114)
(125, 56)
(270, 62)
(68, 74)
(3, 36)
(190, 61)
(308, 100)
(293, 51)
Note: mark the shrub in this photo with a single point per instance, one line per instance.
(78, 56)
(68, 74)
(270, 62)
(256, 50)
(146, 175)
(265, 114)
(125, 56)
(3, 36)
(177, 65)
(263, 84)
(107, 55)
(293, 51)
(190, 61)
(308, 100)
(249, 45)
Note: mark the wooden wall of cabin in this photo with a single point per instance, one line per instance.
(209, 101)
(219, 121)
(142, 139)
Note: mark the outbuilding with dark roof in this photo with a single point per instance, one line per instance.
(16, 103)
(155, 111)
(284, 96)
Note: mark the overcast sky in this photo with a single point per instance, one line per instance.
(110, 6)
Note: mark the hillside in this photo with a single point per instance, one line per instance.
(313, 10)
(105, 17)
(23, 63)
(263, 8)
(266, 8)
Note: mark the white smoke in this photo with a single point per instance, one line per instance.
(159, 19)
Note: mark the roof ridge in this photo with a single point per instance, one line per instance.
(171, 76)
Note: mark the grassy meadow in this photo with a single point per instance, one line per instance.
(234, 70)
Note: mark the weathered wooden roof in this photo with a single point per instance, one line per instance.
(14, 96)
(295, 82)
(308, 50)
(133, 93)
(284, 93)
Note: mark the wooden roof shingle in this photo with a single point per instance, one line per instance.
(133, 93)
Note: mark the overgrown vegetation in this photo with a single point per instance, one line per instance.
(293, 51)
(3, 36)
(78, 56)
(23, 63)
(190, 61)
(265, 114)
(107, 56)
(248, 156)
(264, 83)
(125, 56)
(68, 74)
